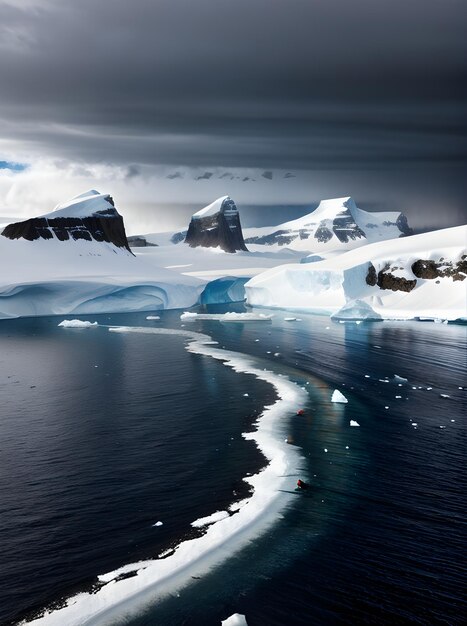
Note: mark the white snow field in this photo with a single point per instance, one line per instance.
(338, 285)
(52, 277)
(226, 532)
(81, 277)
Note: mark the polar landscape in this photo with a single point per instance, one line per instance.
(338, 261)
(233, 313)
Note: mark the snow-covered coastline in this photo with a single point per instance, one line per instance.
(375, 281)
(151, 580)
(76, 260)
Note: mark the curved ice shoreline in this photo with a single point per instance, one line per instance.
(152, 579)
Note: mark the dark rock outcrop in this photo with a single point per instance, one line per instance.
(101, 225)
(217, 226)
(387, 280)
(281, 237)
(136, 241)
(429, 269)
(371, 277)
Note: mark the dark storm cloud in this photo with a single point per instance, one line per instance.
(292, 84)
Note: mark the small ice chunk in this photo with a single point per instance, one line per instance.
(77, 324)
(188, 315)
(158, 523)
(237, 619)
(354, 423)
(337, 396)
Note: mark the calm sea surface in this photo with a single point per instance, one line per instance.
(102, 435)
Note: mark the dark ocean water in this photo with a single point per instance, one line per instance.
(103, 434)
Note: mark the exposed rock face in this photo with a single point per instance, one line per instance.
(217, 225)
(371, 277)
(386, 280)
(137, 241)
(428, 269)
(96, 219)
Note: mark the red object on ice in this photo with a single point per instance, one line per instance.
(301, 412)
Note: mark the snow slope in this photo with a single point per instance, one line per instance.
(84, 205)
(49, 276)
(53, 278)
(347, 286)
(337, 224)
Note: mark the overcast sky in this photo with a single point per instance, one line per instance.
(274, 102)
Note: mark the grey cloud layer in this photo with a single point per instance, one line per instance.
(372, 91)
(288, 83)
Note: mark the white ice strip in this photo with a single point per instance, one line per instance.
(155, 578)
(226, 317)
(77, 324)
(210, 519)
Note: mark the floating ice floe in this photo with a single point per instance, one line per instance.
(237, 619)
(337, 396)
(210, 519)
(226, 317)
(354, 423)
(77, 324)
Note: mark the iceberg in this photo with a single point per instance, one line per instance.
(337, 396)
(77, 324)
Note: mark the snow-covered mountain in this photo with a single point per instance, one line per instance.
(422, 276)
(91, 216)
(336, 224)
(217, 225)
(76, 260)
